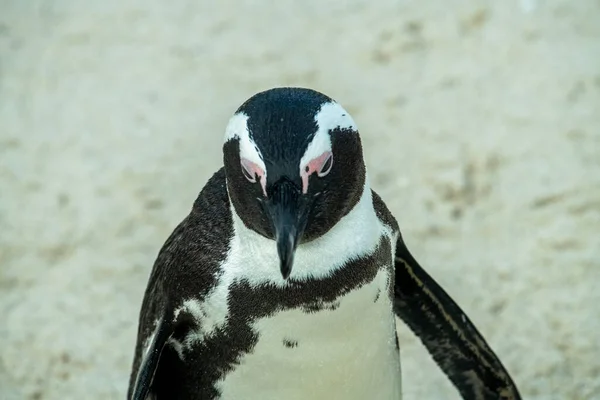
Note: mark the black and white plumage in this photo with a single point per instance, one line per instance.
(284, 280)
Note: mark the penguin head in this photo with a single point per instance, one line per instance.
(294, 165)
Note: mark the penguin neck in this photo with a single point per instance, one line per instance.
(357, 233)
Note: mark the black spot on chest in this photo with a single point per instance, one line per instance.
(320, 306)
(290, 344)
(377, 295)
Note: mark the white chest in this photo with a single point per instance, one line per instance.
(347, 351)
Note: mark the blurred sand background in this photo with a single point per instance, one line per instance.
(481, 128)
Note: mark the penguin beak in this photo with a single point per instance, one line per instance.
(287, 210)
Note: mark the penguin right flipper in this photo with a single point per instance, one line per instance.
(186, 267)
(447, 333)
(150, 360)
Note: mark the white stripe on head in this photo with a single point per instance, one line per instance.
(330, 116)
(238, 128)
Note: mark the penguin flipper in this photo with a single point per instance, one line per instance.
(449, 336)
(150, 360)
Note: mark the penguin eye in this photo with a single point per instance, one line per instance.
(248, 176)
(326, 166)
(321, 165)
(250, 170)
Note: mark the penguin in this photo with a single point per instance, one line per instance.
(286, 278)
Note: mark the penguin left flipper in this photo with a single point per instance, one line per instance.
(149, 364)
(447, 333)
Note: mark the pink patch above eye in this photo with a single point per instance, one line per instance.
(321, 165)
(251, 171)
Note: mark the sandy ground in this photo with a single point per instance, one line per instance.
(481, 127)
